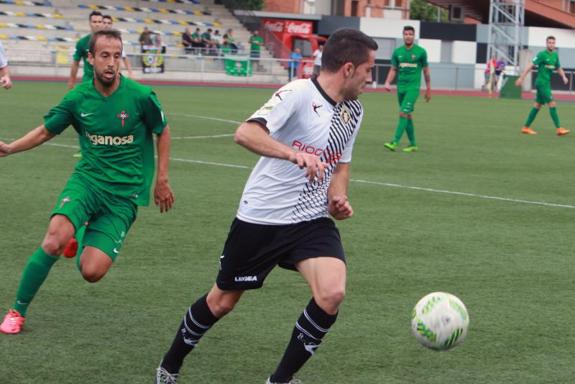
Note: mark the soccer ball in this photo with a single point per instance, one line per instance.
(439, 321)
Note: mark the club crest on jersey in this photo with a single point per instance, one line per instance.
(412, 56)
(345, 115)
(123, 116)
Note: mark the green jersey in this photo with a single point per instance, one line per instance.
(409, 64)
(115, 134)
(81, 53)
(256, 43)
(546, 63)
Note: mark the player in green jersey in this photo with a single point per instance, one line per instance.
(407, 62)
(81, 52)
(547, 62)
(115, 119)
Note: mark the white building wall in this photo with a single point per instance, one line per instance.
(464, 52)
(383, 27)
(433, 48)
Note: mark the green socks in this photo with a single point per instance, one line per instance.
(34, 274)
(410, 132)
(555, 116)
(401, 126)
(531, 117)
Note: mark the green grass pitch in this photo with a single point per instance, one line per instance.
(480, 211)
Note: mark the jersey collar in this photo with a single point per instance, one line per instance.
(320, 89)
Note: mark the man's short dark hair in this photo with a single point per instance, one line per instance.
(109, 33)
(550, 38)
(94, 13)
(408, 28)
(106, 17)
(346, 46)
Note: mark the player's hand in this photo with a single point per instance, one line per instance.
(518, 82)
(5, 82)
(565, 80)
(164, 196)
(340, 208)
(4, 149)
(387, 87)
(71, 84)
(427, 95)
(314, 167)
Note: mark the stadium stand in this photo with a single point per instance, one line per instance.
(38, 33)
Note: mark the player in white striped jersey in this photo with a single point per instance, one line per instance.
(305, 134)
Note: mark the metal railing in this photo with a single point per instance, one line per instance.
(217, 66)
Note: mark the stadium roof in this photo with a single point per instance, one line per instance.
(537, 13)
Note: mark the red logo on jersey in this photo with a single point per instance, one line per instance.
(330, 158)
(123, 116)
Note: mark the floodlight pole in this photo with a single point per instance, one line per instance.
(506, 20)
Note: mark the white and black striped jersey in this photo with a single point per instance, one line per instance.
(302, 116)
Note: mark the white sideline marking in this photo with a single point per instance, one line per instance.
(210, 163)
(466, 194)
(206, 118)
(202, 137)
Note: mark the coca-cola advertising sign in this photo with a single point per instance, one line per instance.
(279, 27)
(299, 27)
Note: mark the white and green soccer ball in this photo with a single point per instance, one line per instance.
(439, 321)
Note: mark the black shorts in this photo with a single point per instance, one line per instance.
(253, 250)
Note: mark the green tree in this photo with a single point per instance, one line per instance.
(421, 10)
(250, 5)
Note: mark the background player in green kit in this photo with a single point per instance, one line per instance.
(547, 62)
(115, 118)
(407, 62)
(81, 52)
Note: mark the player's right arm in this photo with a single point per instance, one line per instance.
(255, 137)
(392, 71)
(254, 134)
(528, 69)
(75, 64)
(31, 140)
(73, 74)
(390, 77)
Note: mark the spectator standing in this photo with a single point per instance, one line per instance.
(256, 42)
(293, 65)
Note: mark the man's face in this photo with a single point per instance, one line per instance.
(550, 44)
(95, 23)
(408, 37)
(360, 77)
(106, 60)
(106, 23)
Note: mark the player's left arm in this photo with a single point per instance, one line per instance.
(561, 73)
(338, 204)
(427, 77)
(163, 194)
(30, 140)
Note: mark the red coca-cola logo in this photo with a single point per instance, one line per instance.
(303, 28)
